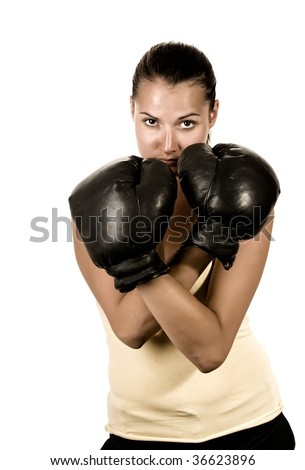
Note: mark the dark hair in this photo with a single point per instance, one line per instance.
(175, 63)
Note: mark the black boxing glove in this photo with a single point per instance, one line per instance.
(122, 212)
(232, 189)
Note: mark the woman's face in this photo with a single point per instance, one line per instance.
(169, 118)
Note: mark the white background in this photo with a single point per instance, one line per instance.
(66, 69)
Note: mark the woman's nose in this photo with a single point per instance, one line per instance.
(169, 142)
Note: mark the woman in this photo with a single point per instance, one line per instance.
(185, 370)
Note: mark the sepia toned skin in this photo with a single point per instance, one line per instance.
(203, 327)
(170, 118)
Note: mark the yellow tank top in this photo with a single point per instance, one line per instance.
(158, 394)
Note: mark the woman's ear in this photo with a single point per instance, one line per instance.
(214, 113)
(131, 106)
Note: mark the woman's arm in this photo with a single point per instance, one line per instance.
(205, 332)
(128, 315)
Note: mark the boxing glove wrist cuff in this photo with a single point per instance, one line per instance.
(216, 241)
(132, 272)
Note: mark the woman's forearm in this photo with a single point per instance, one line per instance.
(190, 325)
(187, 265)
(134, 319)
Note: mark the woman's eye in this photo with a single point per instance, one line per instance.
(150, 122)
(187, 124)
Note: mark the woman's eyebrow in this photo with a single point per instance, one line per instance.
(188, 115)
(149, 115)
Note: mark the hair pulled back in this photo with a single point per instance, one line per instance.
(176, 62)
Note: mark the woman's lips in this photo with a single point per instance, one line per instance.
(170, 161)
